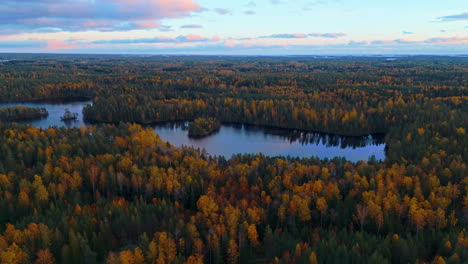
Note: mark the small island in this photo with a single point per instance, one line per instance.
(19, 112)
(68, 115)
(202, 127)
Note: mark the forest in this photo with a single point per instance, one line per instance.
(114, 192)
(17, 113)
(202, 127)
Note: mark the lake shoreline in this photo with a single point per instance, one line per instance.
(290, 129)
(237, 138)
(51, 100)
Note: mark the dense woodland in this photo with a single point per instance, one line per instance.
(17, 113)
(116, 193)
(202, 127)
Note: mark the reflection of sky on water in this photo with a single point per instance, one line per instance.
(235, 139)
(241, 139)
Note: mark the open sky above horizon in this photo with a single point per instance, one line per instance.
(242, 27)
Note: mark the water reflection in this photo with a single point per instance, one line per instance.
(246, 139)
(233, 139)
(316, 138)
(56, 111)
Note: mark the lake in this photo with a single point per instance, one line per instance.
(56, 110)
(235, 139)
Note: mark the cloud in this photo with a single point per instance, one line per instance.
(452, 40)
(222, 11)
(286, 36)
(382, 42)
(59, 45)
(83, 15)
(196, 44)
(407, 33)
(302, 35)
(135, 41)
(403, 41)
(357, 43)
(250, 12)
(395, 46)
(165, 28)
(440, 40)
(191, 26)
(147, 25)
(190, 38)
(394, 42)
(328, 35)
(462, 16)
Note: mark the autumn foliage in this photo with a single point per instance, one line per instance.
(117, 193)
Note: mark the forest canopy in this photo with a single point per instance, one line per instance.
(201, 127)
(114, 192)
(18, 113)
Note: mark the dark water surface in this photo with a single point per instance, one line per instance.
(235, 139)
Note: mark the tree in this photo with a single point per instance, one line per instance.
(13, 255)
(41, 193)
(313, 258)
(139, 257)
(233, 253)
(44, 257)
(321, 204)
(361, 215)
(195, 259)
(126, 257)
(207, 205)
(438, 260)
(252, 234)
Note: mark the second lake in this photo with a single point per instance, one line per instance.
(246, 139)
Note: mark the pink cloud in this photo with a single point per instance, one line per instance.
(178, 8)
(94, 24)
(299, 35)
(59, 45)
(229, 43)
(147, 25)
(403, 41)
(83, 15)
(194, 37)
(5, 36)
(216, 38)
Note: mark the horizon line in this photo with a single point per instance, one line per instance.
(246, 55)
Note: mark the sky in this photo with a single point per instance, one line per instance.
(236, 27)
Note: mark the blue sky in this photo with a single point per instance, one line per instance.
(251, 27)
